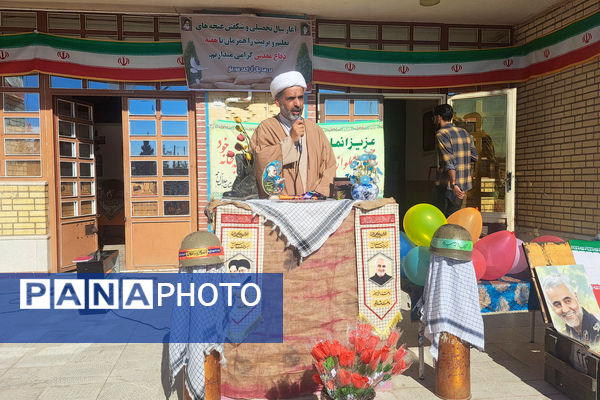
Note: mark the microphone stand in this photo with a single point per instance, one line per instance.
(299, 147)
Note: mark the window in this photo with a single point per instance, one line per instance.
(399, 36)
(18, 19)
(363, 31)
(60, 82)
(349, 108)
(22, 81)
(160, 164)
(20, 142)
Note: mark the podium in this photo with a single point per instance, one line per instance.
(320, 300)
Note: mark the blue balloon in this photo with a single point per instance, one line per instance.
(405, 245)
(416, 265)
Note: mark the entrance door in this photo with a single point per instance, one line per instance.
(73, 124)
(491, 118)
(160, 179)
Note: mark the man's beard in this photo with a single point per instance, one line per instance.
(574, 323)
(288, 114)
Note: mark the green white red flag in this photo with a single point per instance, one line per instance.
(568, 46)
(163, 61)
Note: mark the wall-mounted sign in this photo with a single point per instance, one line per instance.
(238, 52)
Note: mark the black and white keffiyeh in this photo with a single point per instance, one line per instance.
(188, 353)
(306, 228)
(451, 303)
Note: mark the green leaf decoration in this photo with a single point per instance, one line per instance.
(329, 363)
(387, 368)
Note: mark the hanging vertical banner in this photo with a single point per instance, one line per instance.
(239, 52)
(378, 267)
(241, 236)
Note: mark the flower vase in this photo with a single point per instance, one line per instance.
(365, 192)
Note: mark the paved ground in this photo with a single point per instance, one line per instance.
(511, 368)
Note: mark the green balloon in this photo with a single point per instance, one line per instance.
(421, 221)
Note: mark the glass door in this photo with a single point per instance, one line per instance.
(73, 124)
(491, 118)
(160, 180)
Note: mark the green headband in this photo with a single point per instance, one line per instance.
(452, 244)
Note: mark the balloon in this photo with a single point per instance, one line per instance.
(520, 264)
(478, 263)
(416, 265)
(405, 245)
(498, 248)
(470, 219)
(421, 221)
(547, 238)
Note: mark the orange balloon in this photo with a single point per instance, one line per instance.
(470, 219)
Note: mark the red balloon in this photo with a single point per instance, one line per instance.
(520, 263)
(499, 250)
(478, 263)
(547, 238)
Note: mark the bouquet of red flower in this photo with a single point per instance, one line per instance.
(353, 370)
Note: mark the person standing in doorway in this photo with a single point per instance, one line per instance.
(455, 152)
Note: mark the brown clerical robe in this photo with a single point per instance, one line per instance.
(266, 147)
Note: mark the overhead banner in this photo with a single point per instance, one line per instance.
(348, 140)
(164, 61)
(571, 45)
(239, 52)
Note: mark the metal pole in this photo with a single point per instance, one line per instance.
(420, 336)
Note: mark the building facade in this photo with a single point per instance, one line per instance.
(88, 163)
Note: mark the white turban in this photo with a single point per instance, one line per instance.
(286, 80)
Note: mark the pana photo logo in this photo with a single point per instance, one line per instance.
(136, 294)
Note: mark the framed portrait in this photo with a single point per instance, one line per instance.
(571, 302)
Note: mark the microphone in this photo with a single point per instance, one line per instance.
(299, 144)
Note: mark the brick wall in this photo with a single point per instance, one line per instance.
(24, 208)
(558, 141)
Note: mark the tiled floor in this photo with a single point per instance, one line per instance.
(511, 368)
